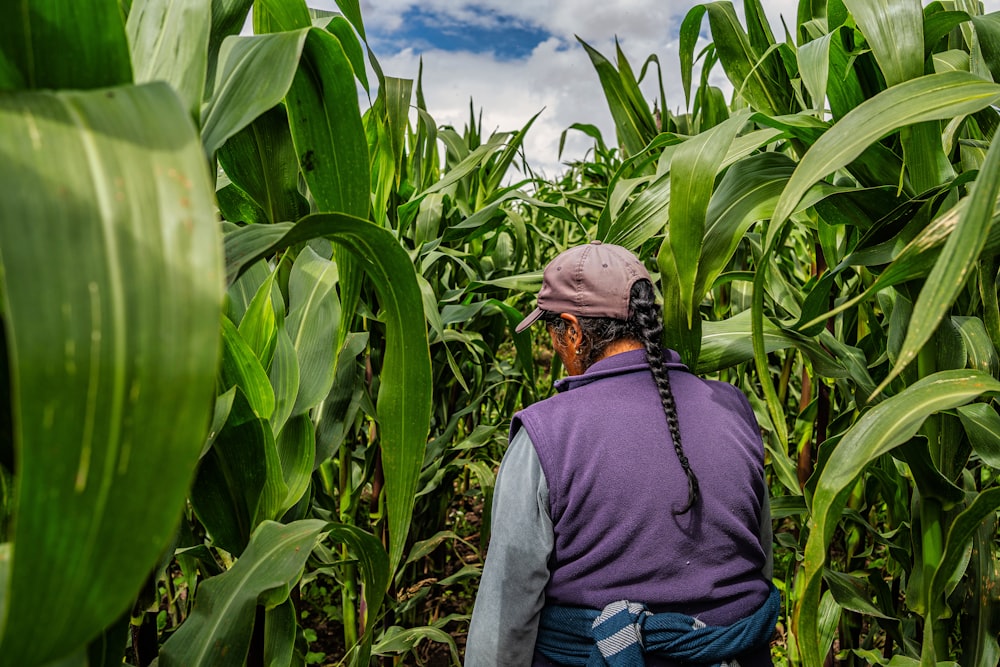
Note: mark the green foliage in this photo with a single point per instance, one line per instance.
(824, 239)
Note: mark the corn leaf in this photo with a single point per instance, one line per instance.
(169, 42)
(232, 476)
(929, 97)
(404, 400)
(954, 265)
(878, 431)
(55, 44)
(219, 629)
(240, 94)
(279, 15)
(260, 160)
(112, 376)
(313, 320)
(692, 180)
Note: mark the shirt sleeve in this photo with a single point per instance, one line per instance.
(511, 593)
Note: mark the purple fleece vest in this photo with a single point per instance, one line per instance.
(614, 478)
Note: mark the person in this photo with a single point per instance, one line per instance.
(630, 515)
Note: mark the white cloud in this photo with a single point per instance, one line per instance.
(557, 75)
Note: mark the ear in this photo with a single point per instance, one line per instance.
(574, 331)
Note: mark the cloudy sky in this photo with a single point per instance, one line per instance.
(514, 58)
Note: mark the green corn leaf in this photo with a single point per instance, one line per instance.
(645, 215)
(228, 18)
(342, 29)
(112, 376)
(55, 44)
(223, 406)
(952, 268)
(219, 629)
(747, 193)
(341, 406)
(814, 65)
(332, 150)
(259, 326)
(284, 376)
(981, 354)
(313, 319)
(241, 368)
(352, 10)
(983, 507)
(726, 343)
(232, 476)
(241, 292)
(279, 16)
(982, 425)
(240, 94)
(260, 160)
(326, 127)
(633, 122)
(404, 400)
(375, 569)
(688, 38)
(280, 629)
(938, 25)
(692, 180)
(929, 97)
(895, 33)
(878, 431)
(401, 641)
(169, 42)
(296, 445)
(740, 61)
(979, 643)
(236, 206)
(683, 333)
(849, 592)
(988, 37)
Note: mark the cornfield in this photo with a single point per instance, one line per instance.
(258, 357)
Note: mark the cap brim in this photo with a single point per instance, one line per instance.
(529, 320)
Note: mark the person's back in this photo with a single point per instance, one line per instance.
(630, 516)
(614, 483)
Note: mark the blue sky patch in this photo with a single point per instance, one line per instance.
(490, 32)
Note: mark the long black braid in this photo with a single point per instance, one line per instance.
(645, 326)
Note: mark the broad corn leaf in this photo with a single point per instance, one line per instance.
(929, 97)
(92, 50)
(218, 631)
(692, 179)
(313, 320)
(239, 93)
(882, 428)
(326, 127)
(894, 29)
(953, 267)
(169, 42)
(404, 399)
(279, 16)
(260, 161)
(112, 375)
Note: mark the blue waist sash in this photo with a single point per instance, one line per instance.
(622, 632)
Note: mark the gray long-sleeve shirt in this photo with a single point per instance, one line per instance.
(511, 594)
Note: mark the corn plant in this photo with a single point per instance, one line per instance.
(115, 179)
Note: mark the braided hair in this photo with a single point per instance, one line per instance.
(645, 326)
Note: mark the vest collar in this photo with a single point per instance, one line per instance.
(618, 364)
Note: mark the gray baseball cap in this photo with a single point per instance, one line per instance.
(592, 280)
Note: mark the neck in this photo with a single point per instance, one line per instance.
(619, 346)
